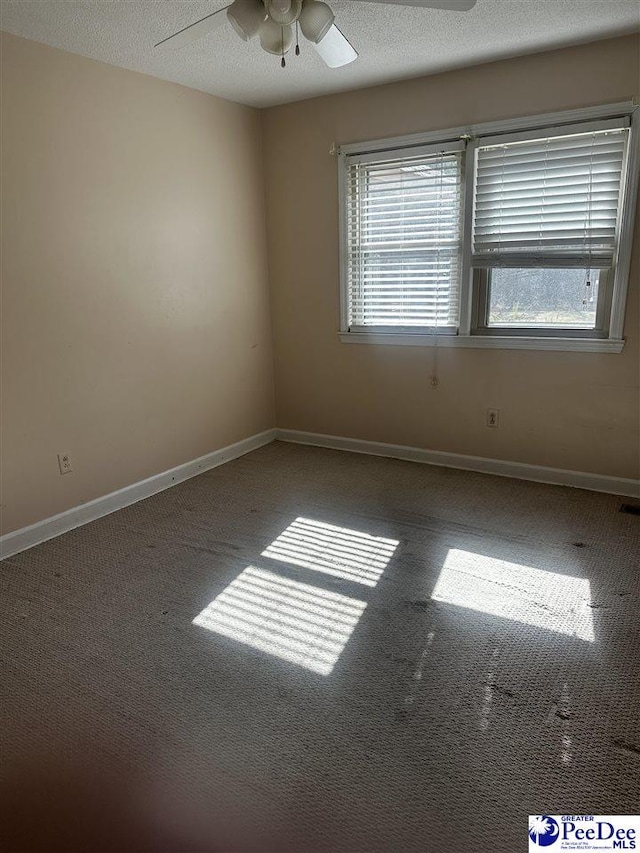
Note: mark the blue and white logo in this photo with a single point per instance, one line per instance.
(543, 830)
(570, 832)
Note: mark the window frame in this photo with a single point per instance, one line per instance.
(474, 283)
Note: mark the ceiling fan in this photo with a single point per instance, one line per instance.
(273, 21)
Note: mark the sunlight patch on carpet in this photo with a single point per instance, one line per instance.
(294, 621)
(338, 551)
(548, 600)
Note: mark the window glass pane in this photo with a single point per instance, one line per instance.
(565, 298)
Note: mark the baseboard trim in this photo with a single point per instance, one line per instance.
(517, 470)
(26, 537)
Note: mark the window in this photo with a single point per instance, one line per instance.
(545, 230)
(497, 235)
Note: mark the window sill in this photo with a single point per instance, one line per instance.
(484, 342)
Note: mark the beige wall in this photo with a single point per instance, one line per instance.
(577, 411)
(136, 330)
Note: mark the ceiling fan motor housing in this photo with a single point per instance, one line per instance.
(284, 12)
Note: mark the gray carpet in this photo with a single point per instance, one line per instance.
(340, 693)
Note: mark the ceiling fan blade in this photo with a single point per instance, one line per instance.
(449, 5)
(335, 49)
(194, 31)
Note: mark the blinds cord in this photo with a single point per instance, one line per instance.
(587, 249)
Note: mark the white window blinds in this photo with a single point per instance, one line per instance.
(403, 241)
(550, 201)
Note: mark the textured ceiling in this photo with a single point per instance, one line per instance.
(394, 42)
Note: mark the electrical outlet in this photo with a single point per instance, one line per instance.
(64, 463)
(493, 418)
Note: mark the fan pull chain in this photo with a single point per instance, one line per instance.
(283, 61)
(297, 41)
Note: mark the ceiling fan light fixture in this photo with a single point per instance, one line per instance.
(246, 16)
(274, 38)
(316, 19)
(284, 12)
